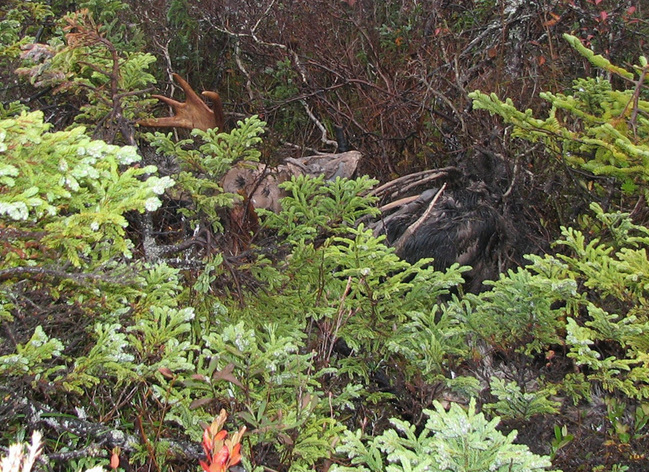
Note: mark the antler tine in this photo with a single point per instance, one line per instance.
(193, 113)
(189, 91)
(217, 108)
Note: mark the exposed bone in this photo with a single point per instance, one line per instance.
(193, 113)
(403, 201)
(398, 245)
(261, 183)
(256, 182)
(399, 188)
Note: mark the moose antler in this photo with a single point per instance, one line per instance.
(192, 113)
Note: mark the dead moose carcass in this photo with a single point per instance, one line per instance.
(438, 214)
(257, 183)
(434, 213)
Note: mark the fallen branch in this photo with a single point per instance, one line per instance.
(38, 415)
(40, 273)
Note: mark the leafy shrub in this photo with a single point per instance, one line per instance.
(455, 440)
(591, 295)
(202, 168)
(94, 64)
(313, 207)
(608, 327)
(62, 207)
(71, 188)
(514, 403)
(18, 26)
(596, 127)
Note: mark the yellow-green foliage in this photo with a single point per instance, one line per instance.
(456, 440)
(71, 188)
(599, 128)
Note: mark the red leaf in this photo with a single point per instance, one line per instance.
(207, 440)
(207, 443)
(221, 458)
(114, 460)
(235, 457)
(226, 374)
(603, 15)
(166, 371)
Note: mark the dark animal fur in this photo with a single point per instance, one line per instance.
(463, 227)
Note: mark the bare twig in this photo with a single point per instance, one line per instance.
(37, 414)
(635, 100)
(40, 273)
(340, 319)
(242, 68)
(320, 126)
(294, 56)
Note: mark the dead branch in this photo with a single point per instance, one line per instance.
(37, 415)
(40, 273)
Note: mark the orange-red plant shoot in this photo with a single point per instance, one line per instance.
(221, 452)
